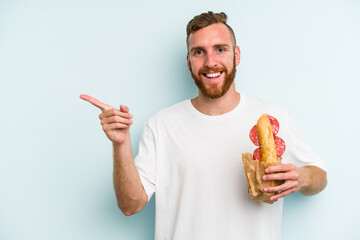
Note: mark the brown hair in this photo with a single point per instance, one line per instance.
(204, 20)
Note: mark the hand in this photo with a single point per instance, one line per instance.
(290, 174)
(115, 122)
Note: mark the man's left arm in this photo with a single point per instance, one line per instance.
(309, 180)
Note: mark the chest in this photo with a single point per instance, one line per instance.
(203, 151)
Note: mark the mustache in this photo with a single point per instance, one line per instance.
(210, 70)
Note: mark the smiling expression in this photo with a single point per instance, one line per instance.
(212, 60)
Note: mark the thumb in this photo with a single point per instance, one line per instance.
(124, 109)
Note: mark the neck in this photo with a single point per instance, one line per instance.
(218, 106)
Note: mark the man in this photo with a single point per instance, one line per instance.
(190, 153)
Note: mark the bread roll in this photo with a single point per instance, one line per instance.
(267, 143)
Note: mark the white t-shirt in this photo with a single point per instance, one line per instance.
(193, 163)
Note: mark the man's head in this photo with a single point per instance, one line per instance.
(204, 20)
(212, 54)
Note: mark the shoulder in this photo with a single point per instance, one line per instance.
(255, 107)
(171, 113)
(258, 104)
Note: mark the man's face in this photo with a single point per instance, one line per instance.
(212, 59)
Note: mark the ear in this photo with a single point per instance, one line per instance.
(188, 61)
(237, 55)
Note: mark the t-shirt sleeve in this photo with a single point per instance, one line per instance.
(298, 151)
(145, 161)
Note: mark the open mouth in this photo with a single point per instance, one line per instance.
(212, 76)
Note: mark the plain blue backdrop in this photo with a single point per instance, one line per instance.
(55, 161)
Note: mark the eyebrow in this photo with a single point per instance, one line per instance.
(222, 45)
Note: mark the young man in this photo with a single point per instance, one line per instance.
(190, 153)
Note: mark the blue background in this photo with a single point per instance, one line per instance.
(56, 163)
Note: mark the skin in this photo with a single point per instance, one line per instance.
(203, 52)
(308, 180)
(130, 194)
(209, 48)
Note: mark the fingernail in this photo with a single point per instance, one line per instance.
(264, 178)
(267, 170)
(265, 189)
(271, 199)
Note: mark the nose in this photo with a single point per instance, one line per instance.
(210, 61)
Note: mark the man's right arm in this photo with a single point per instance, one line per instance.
(130, 194)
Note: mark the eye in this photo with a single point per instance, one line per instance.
(198, 52)
(220, 50)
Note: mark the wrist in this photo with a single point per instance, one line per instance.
(121, 141)
(119, 145)
(122, 151)
(304, 181)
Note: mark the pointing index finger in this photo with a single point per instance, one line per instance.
(96, 103)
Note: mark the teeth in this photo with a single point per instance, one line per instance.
(211, 75)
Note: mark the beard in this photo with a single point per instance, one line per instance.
(214, 90)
